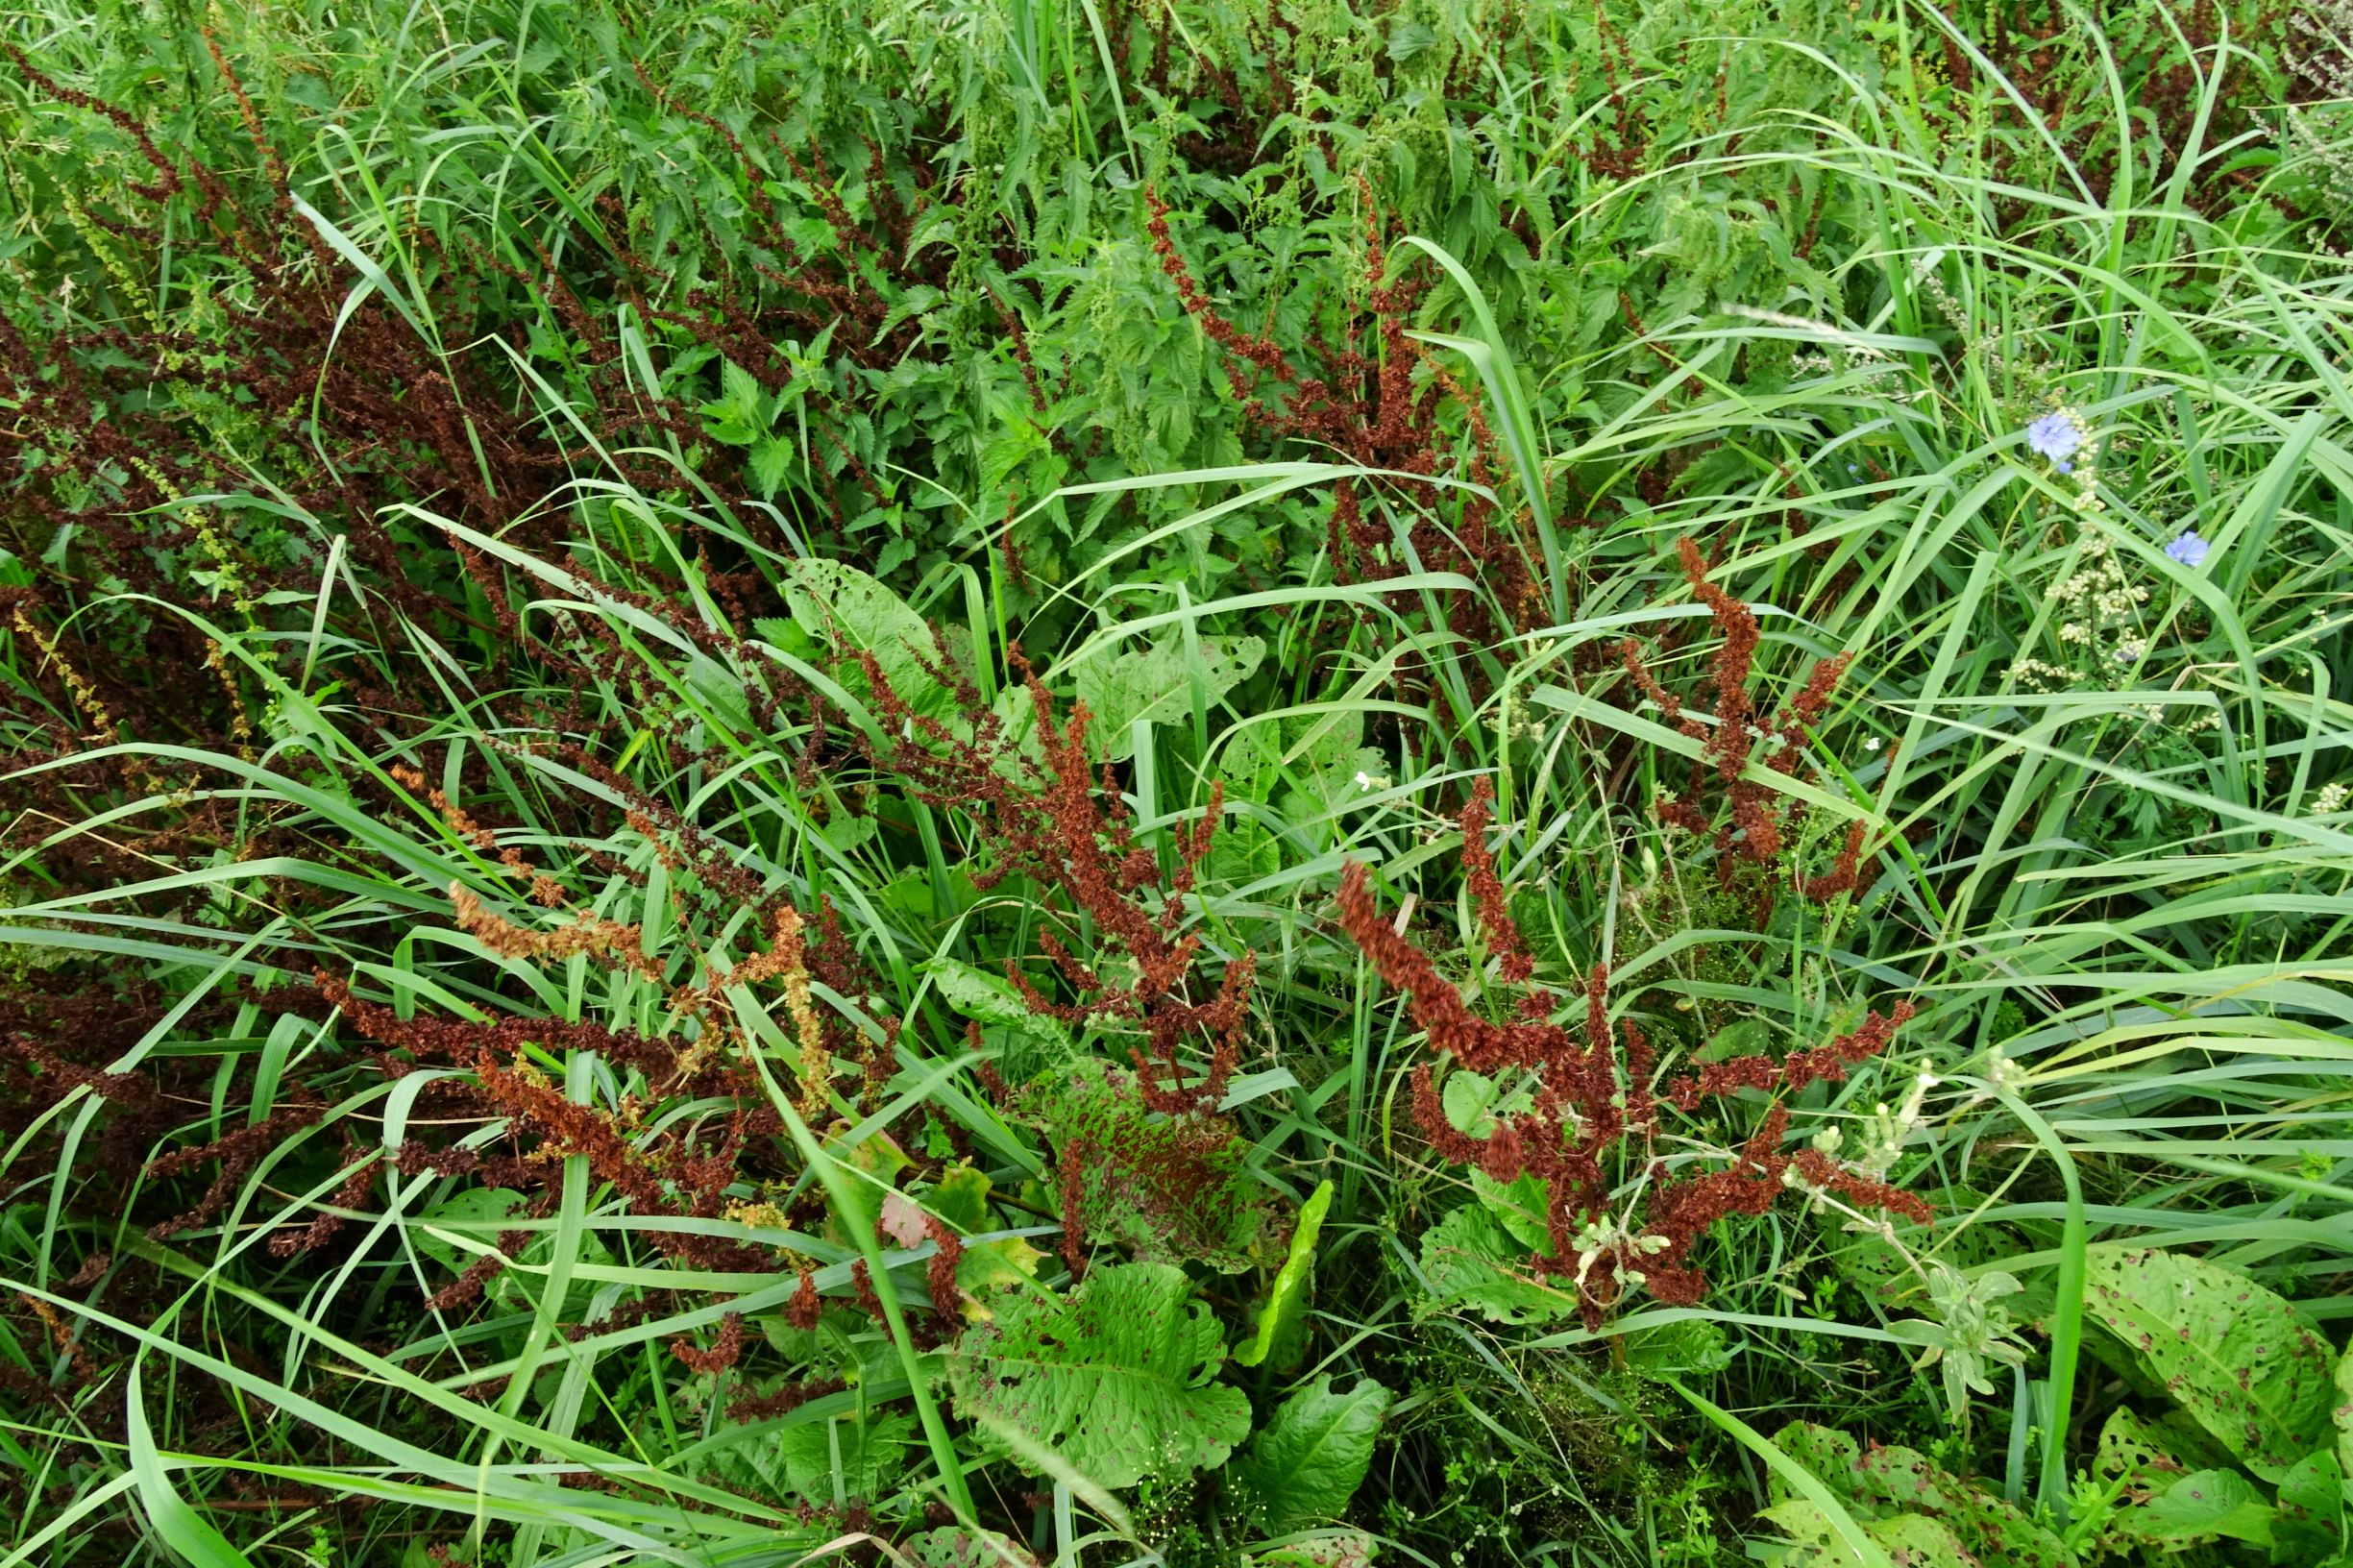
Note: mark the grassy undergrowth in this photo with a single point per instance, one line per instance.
(1542, 783)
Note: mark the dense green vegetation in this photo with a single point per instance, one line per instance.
(1550, 782)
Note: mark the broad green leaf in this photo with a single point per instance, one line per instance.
(1308, 1461)
(851, 612)
(476, 1213)
(994, 1265)
(1174, 1189)
(1678, 1349)
(1473, 1101)
(1884, 1482)
(1912, 1539)
(2310, 1526)
(1471, 1260)
(1519, 1204)
(1118, 1380)
(991, 1000)
(2231, 1353)
(1287, 1297)
(961, 1197)
(867, 1456)
(1155, 684)
(2204, 1505)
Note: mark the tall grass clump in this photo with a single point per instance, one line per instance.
(1559, 783)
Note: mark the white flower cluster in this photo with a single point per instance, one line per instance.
(2319, 53)
(1614, 1239)
(1883, 1134)
(2098, 614)
(1928, 276)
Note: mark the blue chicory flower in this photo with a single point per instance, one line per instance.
(2056, 436)
(2188, 550)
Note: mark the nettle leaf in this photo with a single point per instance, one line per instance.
(2231, 1353)
(1117, 1378)
(1893, 1482)
(739, 417)
(1155, 684)
(1279, 1319)
(771, 460)
(1471, 1260)
(1308, 1461)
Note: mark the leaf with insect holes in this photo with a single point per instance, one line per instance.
(1471, 1260)
(1117, 1378)
(1309, 1460)
(844, 609)
(1155, 684)
(1894, 1481)
(2343, 1412)
(1175, 1190)
(2235, 1355)
(1913, 1539)
(952, 1546)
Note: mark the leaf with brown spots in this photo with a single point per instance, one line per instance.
(2235, 1355)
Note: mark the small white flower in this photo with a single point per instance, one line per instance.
(1872, 745)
